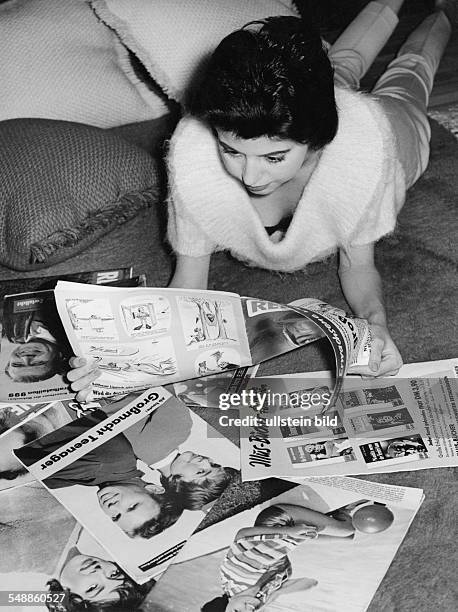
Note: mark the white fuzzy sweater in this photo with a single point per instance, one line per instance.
(352, 198)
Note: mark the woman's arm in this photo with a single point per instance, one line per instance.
(191, 272)
(362, 287)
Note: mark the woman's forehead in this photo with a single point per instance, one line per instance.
(262, 145)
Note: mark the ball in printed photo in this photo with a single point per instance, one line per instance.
(372, 519)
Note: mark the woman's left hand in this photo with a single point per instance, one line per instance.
(385, 359)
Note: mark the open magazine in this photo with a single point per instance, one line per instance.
(139, 474)
(406, 422)
(147, 337)
(336, 566)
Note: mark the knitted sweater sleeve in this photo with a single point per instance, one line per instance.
(185, 236)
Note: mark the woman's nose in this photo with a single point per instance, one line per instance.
(251, 172)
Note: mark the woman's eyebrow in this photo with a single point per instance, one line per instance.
(270, 153)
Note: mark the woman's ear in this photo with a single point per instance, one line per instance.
(155, 488)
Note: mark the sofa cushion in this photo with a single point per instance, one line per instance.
(63, 186)
(172, 38)
(60, 62)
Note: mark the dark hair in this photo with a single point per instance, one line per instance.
(131, 595)
(270, 78)
(219, 604)
(169, 514)
(274, 516)
(193, 495)
(28, 436)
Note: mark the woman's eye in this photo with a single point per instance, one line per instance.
(276, 160)
(230, 152)
(132, 507)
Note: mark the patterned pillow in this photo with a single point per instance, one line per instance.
(60, 62)
(172, 37)
(63, 186)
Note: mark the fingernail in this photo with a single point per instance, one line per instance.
(89, 397)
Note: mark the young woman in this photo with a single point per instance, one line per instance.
(282, 162)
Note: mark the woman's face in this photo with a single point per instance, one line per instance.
(92, 578)
(261, 164)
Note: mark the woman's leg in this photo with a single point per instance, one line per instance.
(405, 86)
(356, 48)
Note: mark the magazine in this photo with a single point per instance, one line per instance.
(406, 422)
(353, 529)
(34, 349)
(40, 422)
(147, 337)
(138, 474)
(44, 550)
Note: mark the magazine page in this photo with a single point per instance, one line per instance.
(139, 480)
(34, 349)
(147, 337)
(342, 536)
(377, 425)
(49, 558)
(274, 329)
(38, 423)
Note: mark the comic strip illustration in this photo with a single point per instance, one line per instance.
(92, 318)
(211, 362)
(145, 316)
(207, 322)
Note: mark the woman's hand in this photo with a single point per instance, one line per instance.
(362, 287)
(81, 376)
(385, 359)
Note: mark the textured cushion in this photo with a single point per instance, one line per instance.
(172, 37)
(60, 62)
(63, 185)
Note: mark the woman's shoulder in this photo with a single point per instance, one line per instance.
(190, 127)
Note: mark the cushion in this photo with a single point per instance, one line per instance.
(172, 38)
(60, 62)
(63, 186)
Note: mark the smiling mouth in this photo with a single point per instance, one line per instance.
(256, 189)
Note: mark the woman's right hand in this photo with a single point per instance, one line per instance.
(81, 376)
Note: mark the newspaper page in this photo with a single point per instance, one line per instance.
(377, 425)
(139, 480)
(45, 551)
(353, 531)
